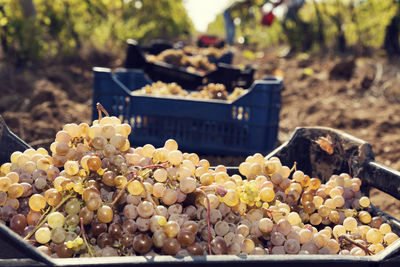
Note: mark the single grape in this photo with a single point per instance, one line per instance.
(33, 217)
(267, 194)
(185, 238)
(158, 238)
(37, 202)
(187, 185)
(389, 238)
(277, 238)
(350, 224)
(94, 202)
(72, 206)
(364, 217)
(105, 239)
(105, 214)
(145, 209)
(310, 247)
(221, 228)
(243, 230)
(18, 223)
(294, 218)
(98, 227)
(171, 228)
(292, 246)
(376, 222)
(118, 141)
(170, 197)
(115, 230)
(142, 243)
(175, 157)
(218, 246)
(283, 226)
(385, 228)
(374, 236)
(55, 219)
(64, 252)
(43, 235)
(171, 246)
(364, 202)
(58, 235)
(5, 183)
(72, 220)
(87, 215)
(143, 224)
(277, 250)
(171, 145)
(135, 188)
(315, 219)
(190, 226)
(94, 163)
(197, 249)
(338, 230)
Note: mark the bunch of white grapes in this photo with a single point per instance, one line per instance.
(95, 195)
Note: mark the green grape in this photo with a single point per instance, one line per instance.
(43, 235)
(55, 219)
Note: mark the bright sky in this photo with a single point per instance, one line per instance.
(202, 12)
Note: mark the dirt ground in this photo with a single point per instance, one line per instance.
(360, 96)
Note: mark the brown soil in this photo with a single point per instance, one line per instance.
(360, 96)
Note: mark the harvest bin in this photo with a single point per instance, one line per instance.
(247, 125)
(350, 155)
(157, 46)
(9, 142)
(225, 73)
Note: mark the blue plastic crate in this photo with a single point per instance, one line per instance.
(242, 127)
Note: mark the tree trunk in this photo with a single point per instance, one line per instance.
(337, 20)
(28, 8)
(28, 43)
(391, 42)
(3, 34)
(354, 19)
(321, 37)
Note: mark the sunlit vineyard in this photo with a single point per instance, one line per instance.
(53, 27)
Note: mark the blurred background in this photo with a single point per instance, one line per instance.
(339, 59)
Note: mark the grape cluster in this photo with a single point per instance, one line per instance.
(163, 89)
(205, 51)
(193, 63)
(209, 91)
(95, 195)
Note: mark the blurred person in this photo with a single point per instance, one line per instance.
(267, 17)
(229, 27)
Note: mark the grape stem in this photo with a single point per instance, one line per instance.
(43, 219)
(131, 177)
(83, 233)
(269, 212)
(294, 168)
(100, 109)
(148, 196)
(348, 239)
(153, 166)
(219, 190)
(208, 219)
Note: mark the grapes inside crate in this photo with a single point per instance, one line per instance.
(93, 195)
